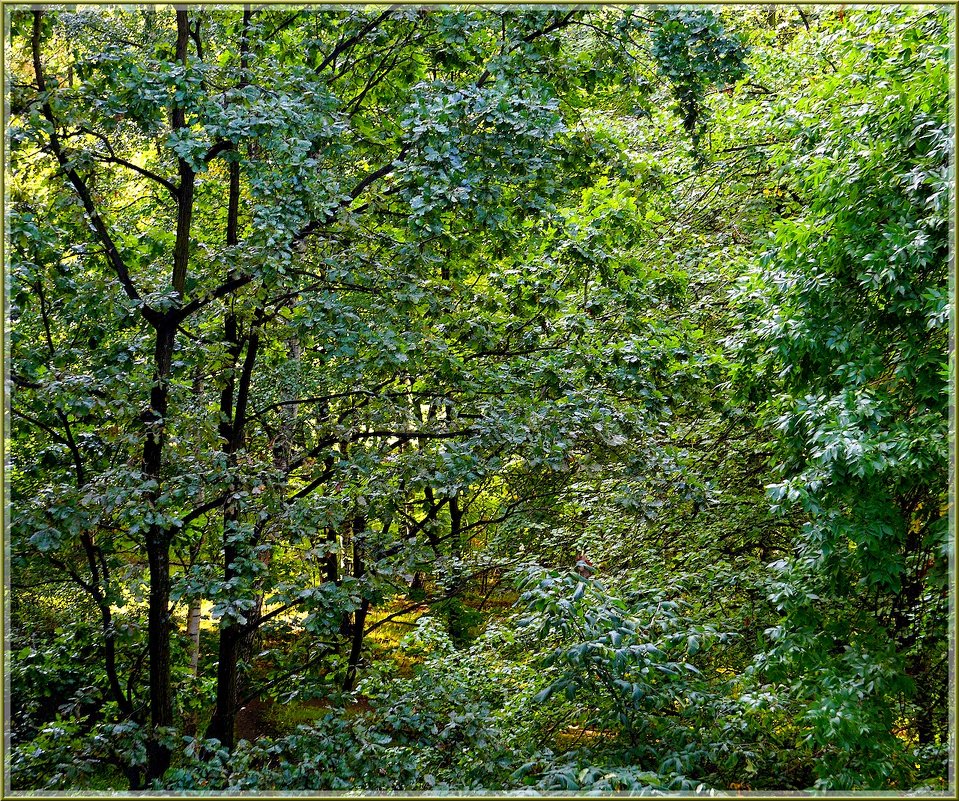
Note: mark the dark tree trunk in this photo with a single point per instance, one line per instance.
(359, 618)
(232, 425)
(356, 647)
(158, 537)
(456, 527)
(153, 418)
(332, 561)
(161, 696)
(223, 721)
(233, 632)
(158, 557)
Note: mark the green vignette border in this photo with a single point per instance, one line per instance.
(953, 769)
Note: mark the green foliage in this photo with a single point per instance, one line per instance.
(694, 52)
(847, 333)
(338, 323)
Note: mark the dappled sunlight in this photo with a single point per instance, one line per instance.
(459, 399)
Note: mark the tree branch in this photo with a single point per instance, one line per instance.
(345, 45)
(531, 37)
(113, 158)
(358, 190)
(168, 185)
(228, 286)
(79, 185)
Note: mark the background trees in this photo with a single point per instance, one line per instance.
(327, 320)
(853, 297)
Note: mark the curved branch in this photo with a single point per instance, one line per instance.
(358, 190)
(231, 285)
(217, 149)
(79, 185)
(168, 185)
(349, 43)
(113, 158)
(556, 25)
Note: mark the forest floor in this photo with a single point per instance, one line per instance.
(270, 718)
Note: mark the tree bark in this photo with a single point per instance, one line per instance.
(359, 619)
(456, 527)
(223, 722)
(158, 557)
(232, 634)
(356, 647)
(332, 559)
(158, 536)
(232, 429)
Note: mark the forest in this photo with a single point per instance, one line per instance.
(473, 398)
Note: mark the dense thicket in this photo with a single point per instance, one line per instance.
(512, 398)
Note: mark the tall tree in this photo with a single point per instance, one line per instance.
(847, 320)
(401, 192)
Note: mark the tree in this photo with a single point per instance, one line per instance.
(392, 385)
(846, 321)
(305, 381)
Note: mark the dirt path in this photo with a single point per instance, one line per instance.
(254, 721)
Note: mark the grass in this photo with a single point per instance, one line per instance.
(284, 718)
(384, 641)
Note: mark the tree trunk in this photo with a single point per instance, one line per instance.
(456, 528)
(158, 537)
(153, 419)
(158, 557)
(232, 634)
(359, 618)
(161, 695)
(232, 425)
(356, 647)
(227, 687)
(332, 559)
(193, 632)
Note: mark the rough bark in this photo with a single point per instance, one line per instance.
(233, 631)
(456, 527)
(158, 558)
